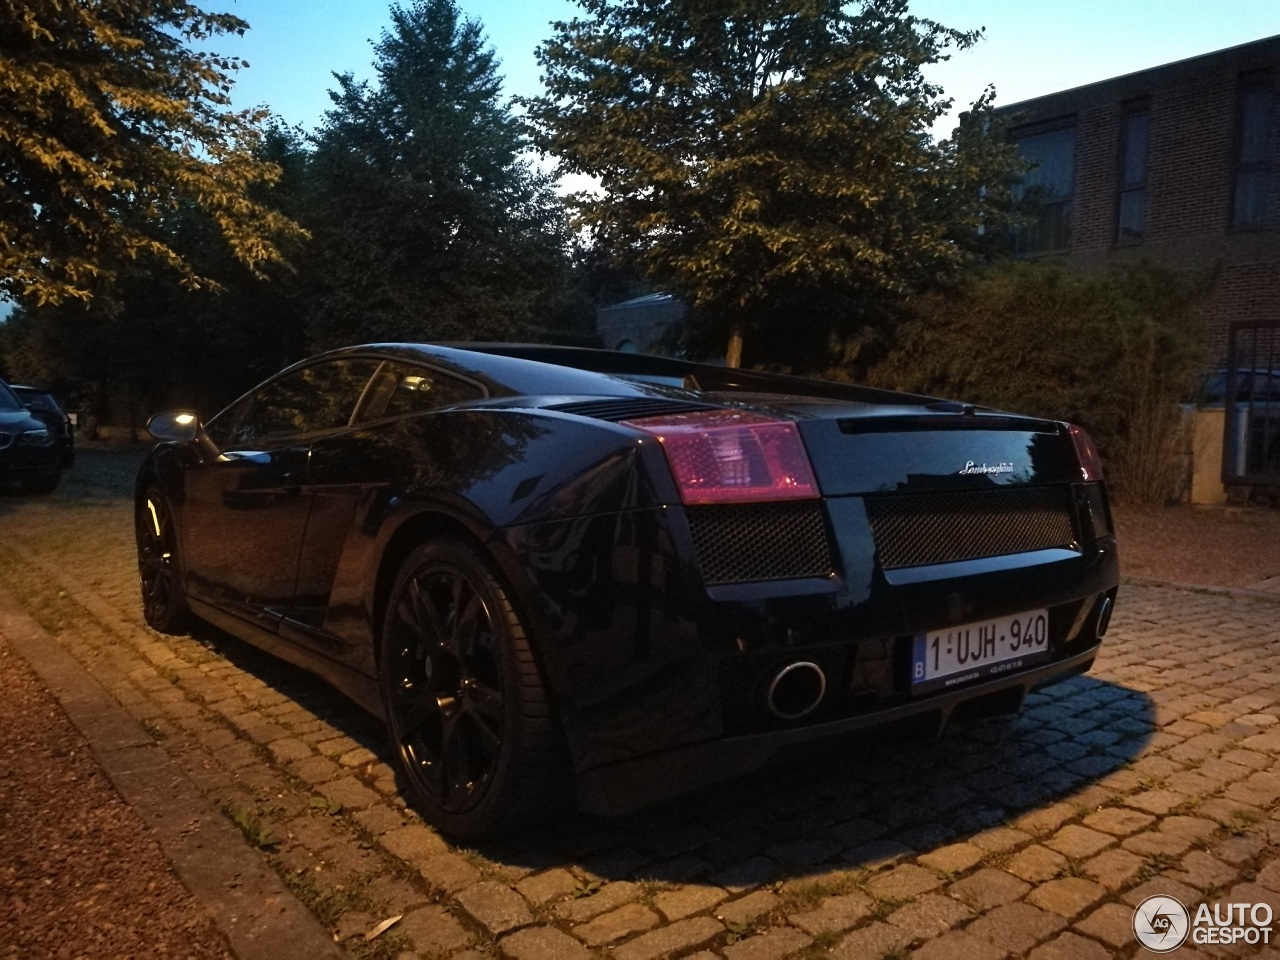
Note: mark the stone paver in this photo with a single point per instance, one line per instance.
(680, 935)
(543, 943)
(1026, 837)
(616, 924)
(1016, 927)
(988, 888)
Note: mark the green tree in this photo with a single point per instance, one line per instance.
(110, 121)
(1117, 349)
(770, 161)
(429, 220)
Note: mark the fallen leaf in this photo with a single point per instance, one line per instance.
(383, 927)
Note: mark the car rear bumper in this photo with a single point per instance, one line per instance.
(630, 784)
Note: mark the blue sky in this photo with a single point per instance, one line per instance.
(1031, 48)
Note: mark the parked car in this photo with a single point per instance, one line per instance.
(28, 450)
(48, 411)
(551, 568)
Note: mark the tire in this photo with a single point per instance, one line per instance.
(164, 606)
(465, 705)
(45, 483)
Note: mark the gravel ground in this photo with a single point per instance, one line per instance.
(1209, 546)
(80, 876)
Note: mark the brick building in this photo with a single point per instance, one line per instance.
(1179, 164)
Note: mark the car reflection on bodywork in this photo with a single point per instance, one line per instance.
(570, 574)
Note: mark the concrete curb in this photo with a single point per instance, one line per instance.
(260, 917)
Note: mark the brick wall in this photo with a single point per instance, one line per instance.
(1190, 175)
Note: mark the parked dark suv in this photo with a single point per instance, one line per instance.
(29, 451)
(48, 411)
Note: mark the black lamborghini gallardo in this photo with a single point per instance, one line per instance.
(561, 572)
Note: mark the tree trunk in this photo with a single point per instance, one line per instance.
(733, 355)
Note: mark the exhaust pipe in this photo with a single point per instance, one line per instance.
(1103, 619)
(796, 690)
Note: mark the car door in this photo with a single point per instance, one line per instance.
(347, 474)
(245, 512)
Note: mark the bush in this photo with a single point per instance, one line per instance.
(1116, 349)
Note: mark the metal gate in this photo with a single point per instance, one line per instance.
(1251, 443)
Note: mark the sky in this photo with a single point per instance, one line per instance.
(1031, 47)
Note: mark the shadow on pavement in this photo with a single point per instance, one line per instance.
(857, 803)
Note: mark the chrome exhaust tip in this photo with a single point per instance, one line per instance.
(796, 690)
(1103, 620)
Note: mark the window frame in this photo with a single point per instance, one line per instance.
(1130, 110)
(437, 372)
(249, 401)
(1254, 81)
(1063, 202)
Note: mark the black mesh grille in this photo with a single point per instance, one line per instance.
(915, 529)
(627, 408)
(739, 543)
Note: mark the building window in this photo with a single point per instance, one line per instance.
(1046, 189)
(1254, 170)
(1131, 203)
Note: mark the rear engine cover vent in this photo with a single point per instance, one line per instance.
(745, 542)
(916, 529)
(615, 409)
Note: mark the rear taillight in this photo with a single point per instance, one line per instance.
(729, 456)
(1086, 453)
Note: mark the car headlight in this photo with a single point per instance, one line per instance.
(36, 438)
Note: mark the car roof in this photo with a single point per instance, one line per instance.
(528, 369)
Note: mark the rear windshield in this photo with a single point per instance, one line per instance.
(8, 402)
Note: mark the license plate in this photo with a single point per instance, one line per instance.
(972, 651)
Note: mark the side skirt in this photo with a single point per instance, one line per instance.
(357, 686)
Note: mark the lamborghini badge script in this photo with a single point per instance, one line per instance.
(972, 467)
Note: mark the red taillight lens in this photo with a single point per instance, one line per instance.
(727, 456)
(1086, 453)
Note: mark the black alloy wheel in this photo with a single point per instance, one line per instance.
(464, 701)
(163, 605)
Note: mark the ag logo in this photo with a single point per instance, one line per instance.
(1161, 923)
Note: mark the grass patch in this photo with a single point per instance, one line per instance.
(258, 833)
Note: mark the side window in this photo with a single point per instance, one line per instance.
(319, 397)
(401, 389)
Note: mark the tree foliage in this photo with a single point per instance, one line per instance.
(770, 160)
(429, 221)
(1116, 349)
(110, 121)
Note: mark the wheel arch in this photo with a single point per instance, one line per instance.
(436, 521)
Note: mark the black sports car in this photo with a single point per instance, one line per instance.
(549, 568)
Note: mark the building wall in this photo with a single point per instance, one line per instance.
(1191, 151)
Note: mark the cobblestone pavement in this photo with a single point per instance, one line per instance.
(1035, 836)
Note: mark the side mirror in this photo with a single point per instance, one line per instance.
(181, 425)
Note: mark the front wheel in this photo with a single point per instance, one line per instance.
(465, 704)
(163, 605)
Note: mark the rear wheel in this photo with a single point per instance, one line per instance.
(163, 605)
(465, 704)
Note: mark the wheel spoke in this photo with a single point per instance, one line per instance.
(488, 738)
(467, 626)
(454, 761)
(485, 700)
(421, 711)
